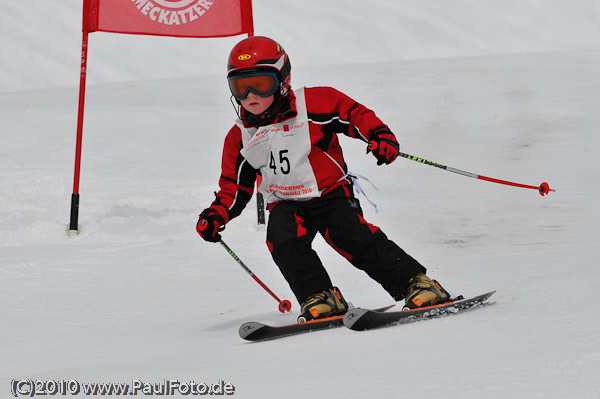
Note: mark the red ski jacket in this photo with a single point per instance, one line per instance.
(298, 156)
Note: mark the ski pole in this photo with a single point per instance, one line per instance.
(543, 188)
(284, 306)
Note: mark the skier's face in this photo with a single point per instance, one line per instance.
(255, 104)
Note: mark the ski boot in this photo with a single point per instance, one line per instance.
(423, 292)
(323, 304)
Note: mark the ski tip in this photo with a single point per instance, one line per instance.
(249, 328)
(478, 299)
(487, 295)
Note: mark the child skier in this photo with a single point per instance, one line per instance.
(290, 139)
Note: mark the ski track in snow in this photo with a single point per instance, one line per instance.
(137, 295)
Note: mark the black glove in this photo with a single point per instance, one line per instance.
(384, 146)
(210, 223)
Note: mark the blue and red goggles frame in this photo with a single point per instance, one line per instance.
(261, 83)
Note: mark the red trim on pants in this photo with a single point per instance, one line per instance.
(301, 229)
(371, 227)
(338, 249)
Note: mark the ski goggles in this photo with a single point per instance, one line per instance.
(262, 84)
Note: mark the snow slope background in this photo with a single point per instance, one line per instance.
(506, 89)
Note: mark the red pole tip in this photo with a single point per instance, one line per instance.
(545, 189)
(285, 306)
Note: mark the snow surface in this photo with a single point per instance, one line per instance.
(507, 89)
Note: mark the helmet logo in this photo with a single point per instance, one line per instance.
(244, 57)
(173, 12)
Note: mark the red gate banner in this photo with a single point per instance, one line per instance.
(183, 18)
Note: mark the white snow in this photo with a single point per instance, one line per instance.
(507, 89)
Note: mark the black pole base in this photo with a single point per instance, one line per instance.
(73, 230)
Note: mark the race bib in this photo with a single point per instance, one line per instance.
(280, 151)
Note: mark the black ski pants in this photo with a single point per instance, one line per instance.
(338, 217)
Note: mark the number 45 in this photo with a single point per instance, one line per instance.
(283, 161)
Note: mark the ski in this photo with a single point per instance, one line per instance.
(363, 319)
(255, 331)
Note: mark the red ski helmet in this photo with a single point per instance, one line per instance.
(260, 54)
